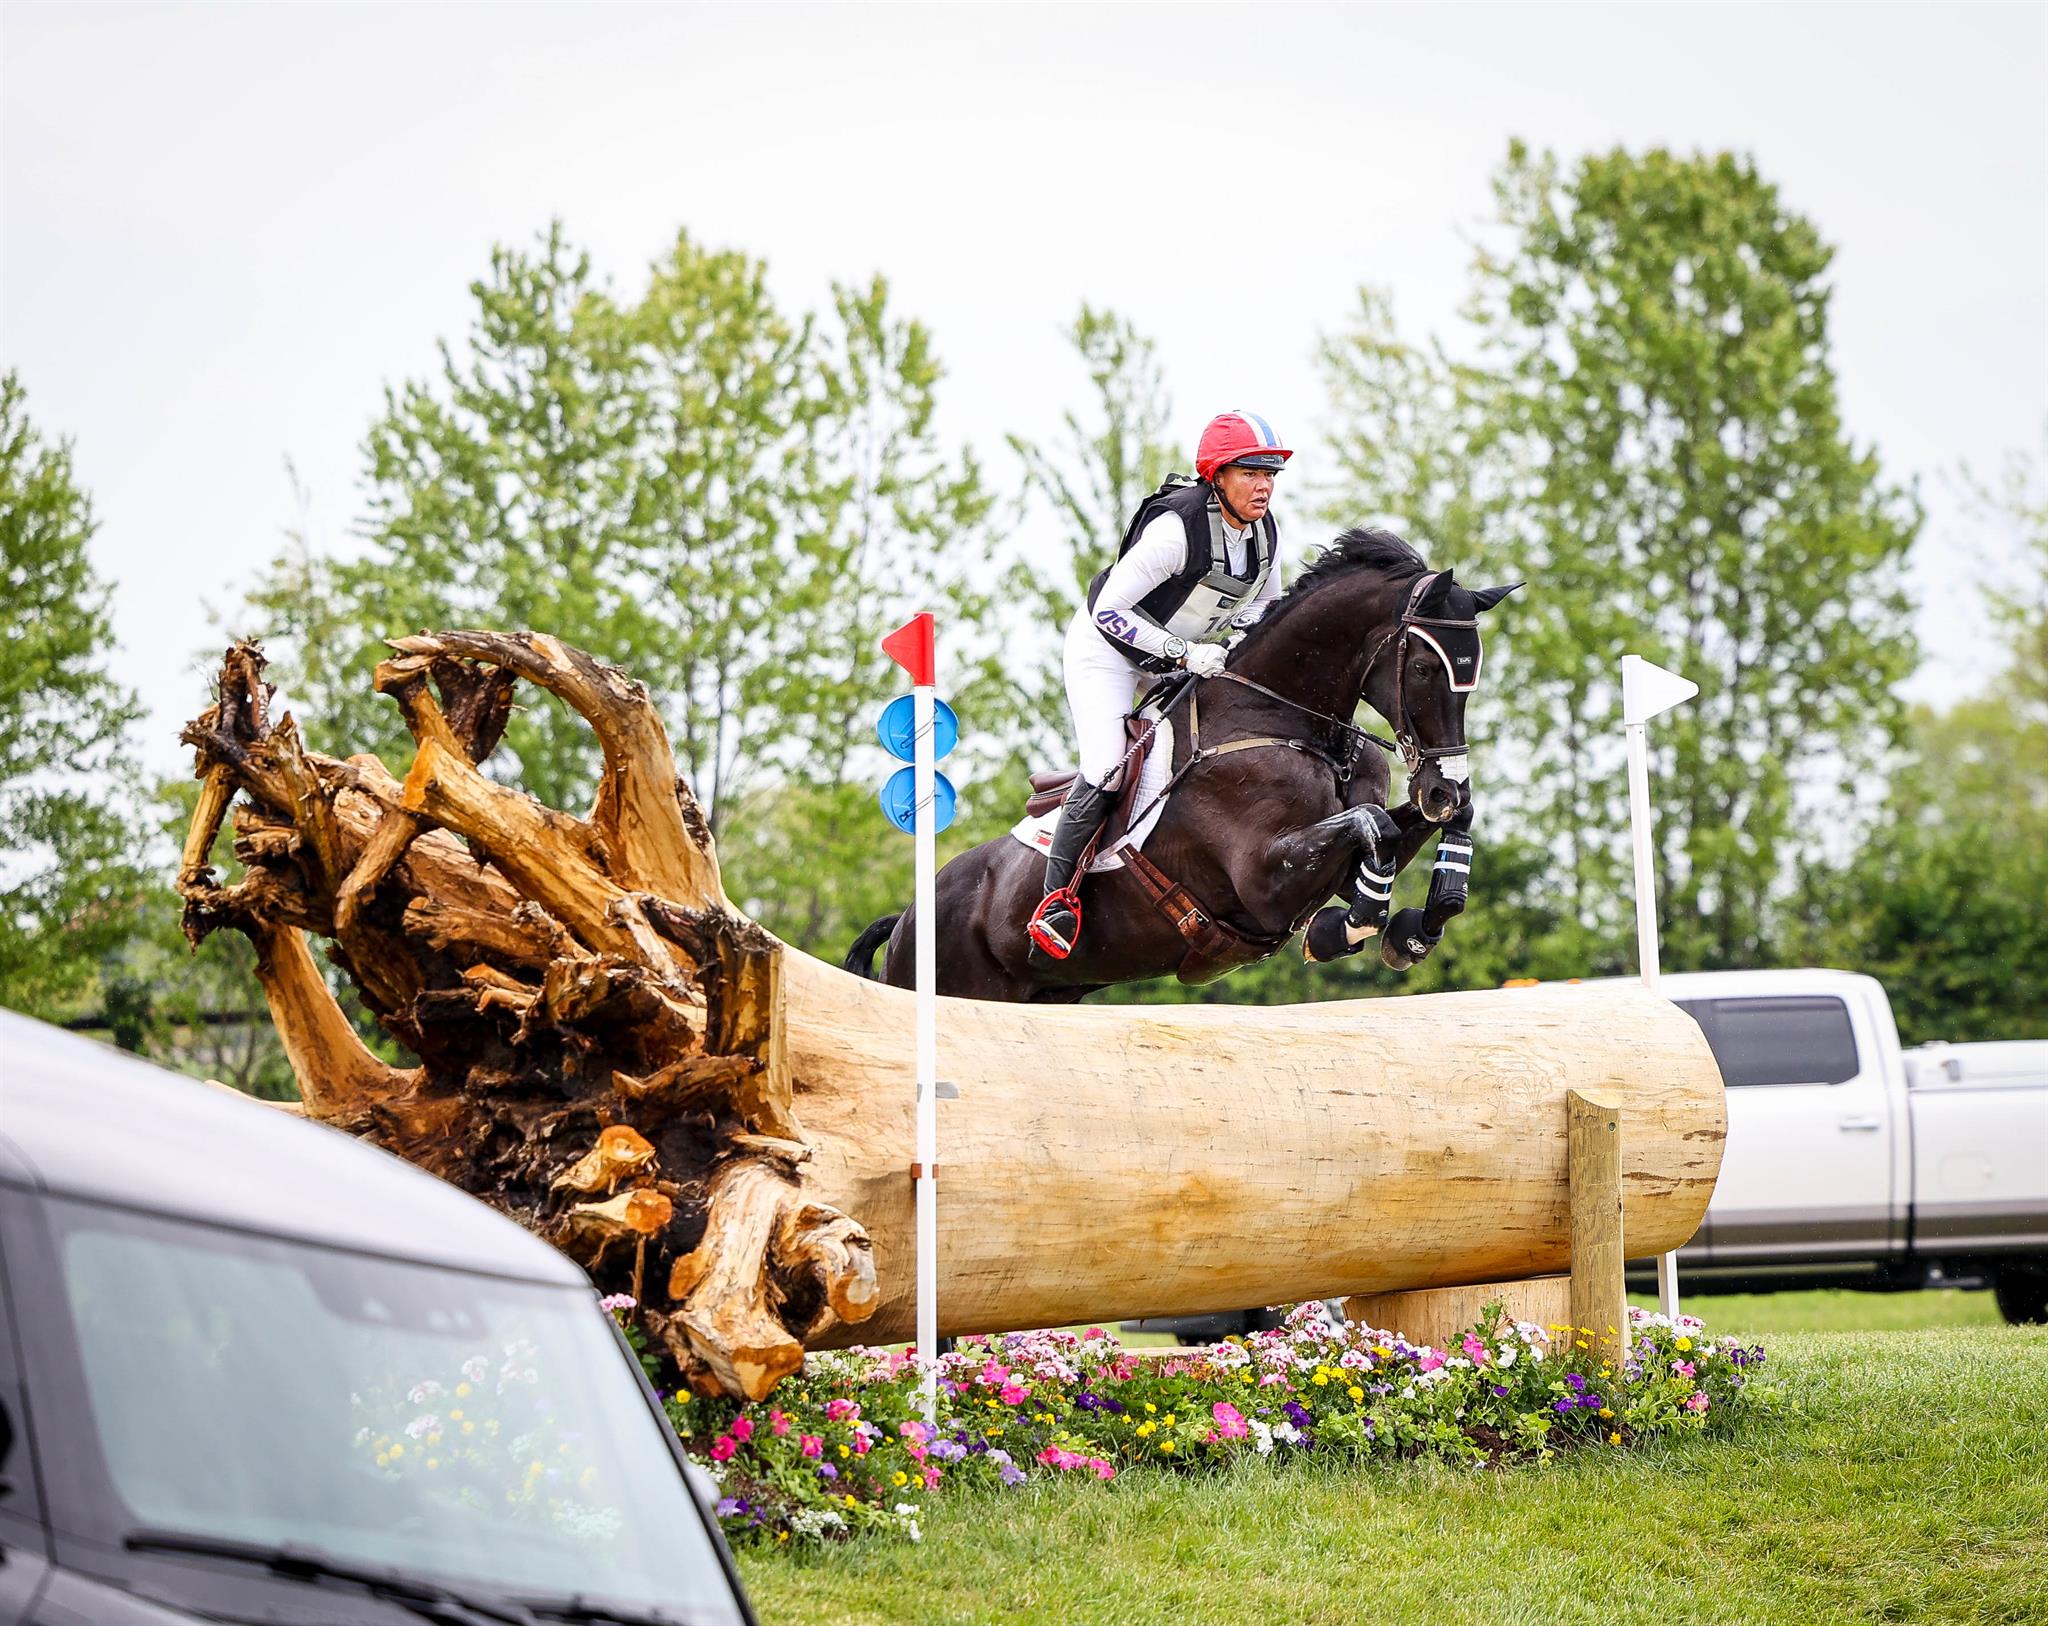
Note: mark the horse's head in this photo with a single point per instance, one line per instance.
(1429, 662)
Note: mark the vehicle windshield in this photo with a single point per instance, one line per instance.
(484, 1432)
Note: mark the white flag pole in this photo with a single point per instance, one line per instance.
(927, 1050)
(1647, 690)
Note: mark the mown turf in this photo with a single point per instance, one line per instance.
(1905, 1480)
(1764, 1314)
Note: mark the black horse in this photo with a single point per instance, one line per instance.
(1254, 839)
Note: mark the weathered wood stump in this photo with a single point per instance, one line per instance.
(608, 1051)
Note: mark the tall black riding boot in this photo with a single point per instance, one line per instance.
(1056, 925)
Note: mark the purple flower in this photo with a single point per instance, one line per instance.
(1500, 1389)
(1563, 1405)
(827, 1472)
(1012, 1474)
(1576, 1383)
(1297, 1414)
(730, 1505)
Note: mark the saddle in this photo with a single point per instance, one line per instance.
(1049, 786)
(1213, 947)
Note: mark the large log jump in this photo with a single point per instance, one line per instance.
(609, 1051)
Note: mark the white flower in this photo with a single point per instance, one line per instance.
(1505, 1355)
(1287, 1434)
(1262, 1436)
(425, 1423)
(1353, 1358)
(421, 1393)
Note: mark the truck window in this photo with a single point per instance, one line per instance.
(1795, 1039)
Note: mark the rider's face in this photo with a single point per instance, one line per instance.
(1248, 491)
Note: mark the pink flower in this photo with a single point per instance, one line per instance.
(931, 1477)
(1683, 1368)
(1012, 1394)
(861, 1445)
(1475, 1351)
(1271, 1379)
(778, 1423)
(994, 1375)
(1230, 1421)
(723, 1447)
(1102, 1469)
(743, 1429)
(811, 1444)
(1696, 1401)
(1431, 1360)
(839, 1410)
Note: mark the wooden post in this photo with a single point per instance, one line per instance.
(1437, 1315)
(1599, 1298)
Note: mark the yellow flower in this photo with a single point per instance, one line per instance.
(433, 1462)
(1144, 1429)
(536, 1466)
(902, 1479)
(1606, 1411)
(434, 1438)
(1584, 1345)
(383, 1459)
(844, 1450)
(461, 1389)
(1150, 1407)
(1320, 1379)
(1614, 1438)
(469, 1428)
(397, 1451)
(1245, 1378)
(455, 1416)
(1166, 1446)
(1381, 1349)
(1169, 1419)
(1683, 1344)
(1356, 1393)
(852, 1501)
(782, 1535)
(562, 1449)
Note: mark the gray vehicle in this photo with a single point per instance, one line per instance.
(253, 1369)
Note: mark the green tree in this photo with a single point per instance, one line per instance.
(1649, 433)
(68, 827)
(730, 502)
(1943, 902)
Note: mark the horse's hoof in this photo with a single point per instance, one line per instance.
(1326, 938)
(1407, 940)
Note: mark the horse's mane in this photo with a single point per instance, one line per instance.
(1361, 548)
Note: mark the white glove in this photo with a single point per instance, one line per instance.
(1204, 660)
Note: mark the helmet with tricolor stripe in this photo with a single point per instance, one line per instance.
(1238, 437)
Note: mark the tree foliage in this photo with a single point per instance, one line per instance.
(69, 843)
(1648, 431)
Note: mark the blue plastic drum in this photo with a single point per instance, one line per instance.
(897, 728)
(899, 800)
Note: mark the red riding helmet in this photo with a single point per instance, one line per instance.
(1238, 437)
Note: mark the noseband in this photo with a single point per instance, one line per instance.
(1448, 650)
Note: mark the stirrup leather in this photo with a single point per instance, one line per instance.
(1065, 900)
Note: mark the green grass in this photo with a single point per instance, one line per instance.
(1906, 1479)
(1766, 1314)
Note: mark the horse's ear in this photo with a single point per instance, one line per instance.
(1485, 598)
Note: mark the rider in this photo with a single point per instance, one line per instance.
(1197, 563)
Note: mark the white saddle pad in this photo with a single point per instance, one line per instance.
(1037, 833)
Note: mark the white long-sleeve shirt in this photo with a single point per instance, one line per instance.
(1159, 555)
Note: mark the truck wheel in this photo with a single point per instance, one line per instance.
(2022, 1294)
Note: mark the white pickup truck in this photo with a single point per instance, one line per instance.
(1854, 1163)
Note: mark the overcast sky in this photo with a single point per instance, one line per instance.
(227, 227)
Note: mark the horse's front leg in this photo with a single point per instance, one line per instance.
(1337, 931)
(1413, 933)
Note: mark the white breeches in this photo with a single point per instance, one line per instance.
(1101, 688)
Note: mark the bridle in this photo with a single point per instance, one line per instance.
(1412, 625)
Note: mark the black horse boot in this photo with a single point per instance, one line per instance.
(1056, 925)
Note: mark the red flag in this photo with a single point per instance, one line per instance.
(912, 647)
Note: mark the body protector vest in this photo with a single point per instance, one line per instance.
(1199, 603)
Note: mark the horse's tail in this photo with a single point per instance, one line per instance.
(860, 958)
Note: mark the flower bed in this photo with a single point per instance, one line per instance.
(842, 1448)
